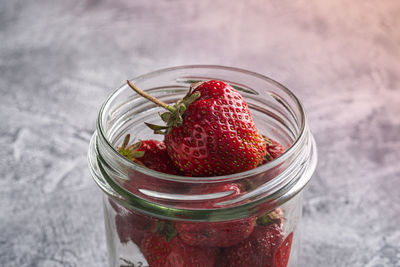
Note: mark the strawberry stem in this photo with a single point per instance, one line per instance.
(130, 152)
(126, 141)
(151, 98)
(174, 116)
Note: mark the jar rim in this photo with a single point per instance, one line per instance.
(223, 178)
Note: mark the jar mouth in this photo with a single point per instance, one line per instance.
(297, 142)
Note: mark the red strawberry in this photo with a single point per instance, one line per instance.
(282, 254)
(216, 234)
(131, 228)
(274, 149)
(155, 249)
(210, 131)
(130, 225)
(163, 249)
(153, 155)
(150, 153)
(258, 250)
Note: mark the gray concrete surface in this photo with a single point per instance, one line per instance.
(60, 59)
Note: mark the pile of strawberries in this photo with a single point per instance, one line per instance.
(210, 132)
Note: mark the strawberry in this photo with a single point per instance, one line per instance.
(153, 155)
(130, 225)
(150, 153)
(210, 131)
(163, 248)
(216, 234)
(274, 149)
(282, 254)
(258, 250)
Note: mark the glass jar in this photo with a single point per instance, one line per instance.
(203, 218)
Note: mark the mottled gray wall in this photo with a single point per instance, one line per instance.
(60, 59)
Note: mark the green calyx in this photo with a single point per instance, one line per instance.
(269, 218)
(130, 152)
(268, 142)
(167, 229)
(173, 117)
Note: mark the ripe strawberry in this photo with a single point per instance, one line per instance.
(216, 234)
(282, 254)
(153, 155)
(274, 149)
(210, 131)
(130, 225)
(259, 249)
(162, 248)
(150, 153)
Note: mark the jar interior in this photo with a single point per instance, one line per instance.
(276, 111)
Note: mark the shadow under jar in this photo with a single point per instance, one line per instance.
(219, 227)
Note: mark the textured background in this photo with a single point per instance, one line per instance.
(59, 61)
